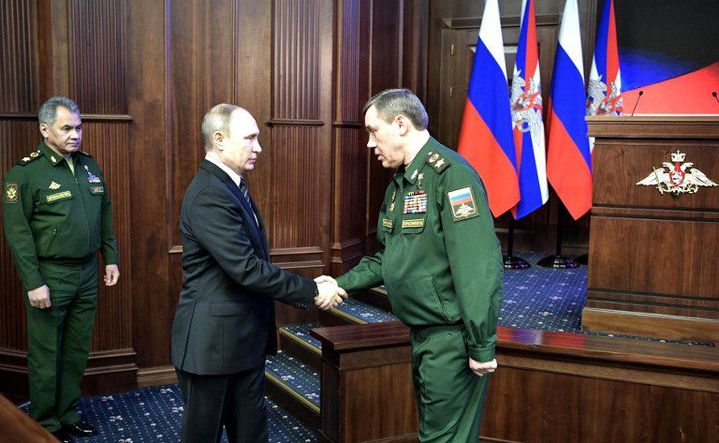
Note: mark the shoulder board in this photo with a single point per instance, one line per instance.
(437, 162)
(86, 154)
(34, 155)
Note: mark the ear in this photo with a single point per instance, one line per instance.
(218, 139)
(43, 130)
(402, 124)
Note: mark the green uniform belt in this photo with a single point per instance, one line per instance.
(68, 260)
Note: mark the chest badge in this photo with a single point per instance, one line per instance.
(92, 178)
(415, 202)
(54, 185)
(391, 205)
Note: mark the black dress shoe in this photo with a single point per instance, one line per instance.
(80, 429)
(63, 436)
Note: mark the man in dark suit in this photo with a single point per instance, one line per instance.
(224, 323)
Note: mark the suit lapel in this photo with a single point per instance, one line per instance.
(256, 237)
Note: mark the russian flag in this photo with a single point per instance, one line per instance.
(569, 161)
(485, 138)
(526, 98)
(604, 92)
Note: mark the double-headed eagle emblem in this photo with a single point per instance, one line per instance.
(678, 177)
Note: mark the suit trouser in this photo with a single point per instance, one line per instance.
(235, 401)
(449, 395)
(59, 340)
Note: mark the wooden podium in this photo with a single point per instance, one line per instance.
(653, 257)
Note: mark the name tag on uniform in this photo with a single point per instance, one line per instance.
(415, 202)
(97, 189)
(58, 196)
(413, 223)
(387, 223)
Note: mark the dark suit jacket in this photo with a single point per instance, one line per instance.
(224, 322)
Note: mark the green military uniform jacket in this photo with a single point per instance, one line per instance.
(441, 262)
(49, 213)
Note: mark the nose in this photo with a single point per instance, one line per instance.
(257, 148)
(371, 143)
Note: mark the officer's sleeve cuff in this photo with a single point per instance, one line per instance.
(110, 258)
(33, 282)
(481, 353)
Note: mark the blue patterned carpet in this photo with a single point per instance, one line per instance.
(155, 415)
(544, 298)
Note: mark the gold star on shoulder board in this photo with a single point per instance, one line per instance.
(26, 159)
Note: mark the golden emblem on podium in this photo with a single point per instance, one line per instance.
(678, 177)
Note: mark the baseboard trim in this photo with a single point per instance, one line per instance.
(156, 376)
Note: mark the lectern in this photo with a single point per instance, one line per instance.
(654, 235)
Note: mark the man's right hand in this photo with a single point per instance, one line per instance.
(39, 297)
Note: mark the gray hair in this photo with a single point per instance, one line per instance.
(217, 119)
(48, 111)
(392, 102)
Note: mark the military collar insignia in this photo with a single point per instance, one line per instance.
(54, 185)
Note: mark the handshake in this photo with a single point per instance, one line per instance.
(329, 294)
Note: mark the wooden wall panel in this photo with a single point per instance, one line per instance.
(17, 138)
(385, 72)
(108, 143)
(144, 74)
(301, 131)
(349, 143)
(96, 51)
(18, 52)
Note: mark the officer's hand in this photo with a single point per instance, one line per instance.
(39, 297)
(482, 368)
(112, 274)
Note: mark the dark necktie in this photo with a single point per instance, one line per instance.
(246, 194)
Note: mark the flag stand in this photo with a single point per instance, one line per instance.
(582, 260)
(511, 261)
(558, 261)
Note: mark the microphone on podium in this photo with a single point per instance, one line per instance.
(714, 94)
(641, 92)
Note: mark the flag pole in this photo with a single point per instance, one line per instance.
(511, 261)
(558, 261)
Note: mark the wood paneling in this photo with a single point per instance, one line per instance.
(144, 74)
(97, 38)
(18, 52)
(652, 266)
(349, 138)
(17, 138)
(566, 387)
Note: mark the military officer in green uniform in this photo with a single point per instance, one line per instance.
(57, 215)
(441, 265)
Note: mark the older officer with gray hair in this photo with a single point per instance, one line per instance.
(57, 215)
(441, 265)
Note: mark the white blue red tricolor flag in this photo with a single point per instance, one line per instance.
(485, 138)
(604, 92)
(569, 158)
(526, 98)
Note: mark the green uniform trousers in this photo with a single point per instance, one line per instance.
(59, 340)
(449, 395)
